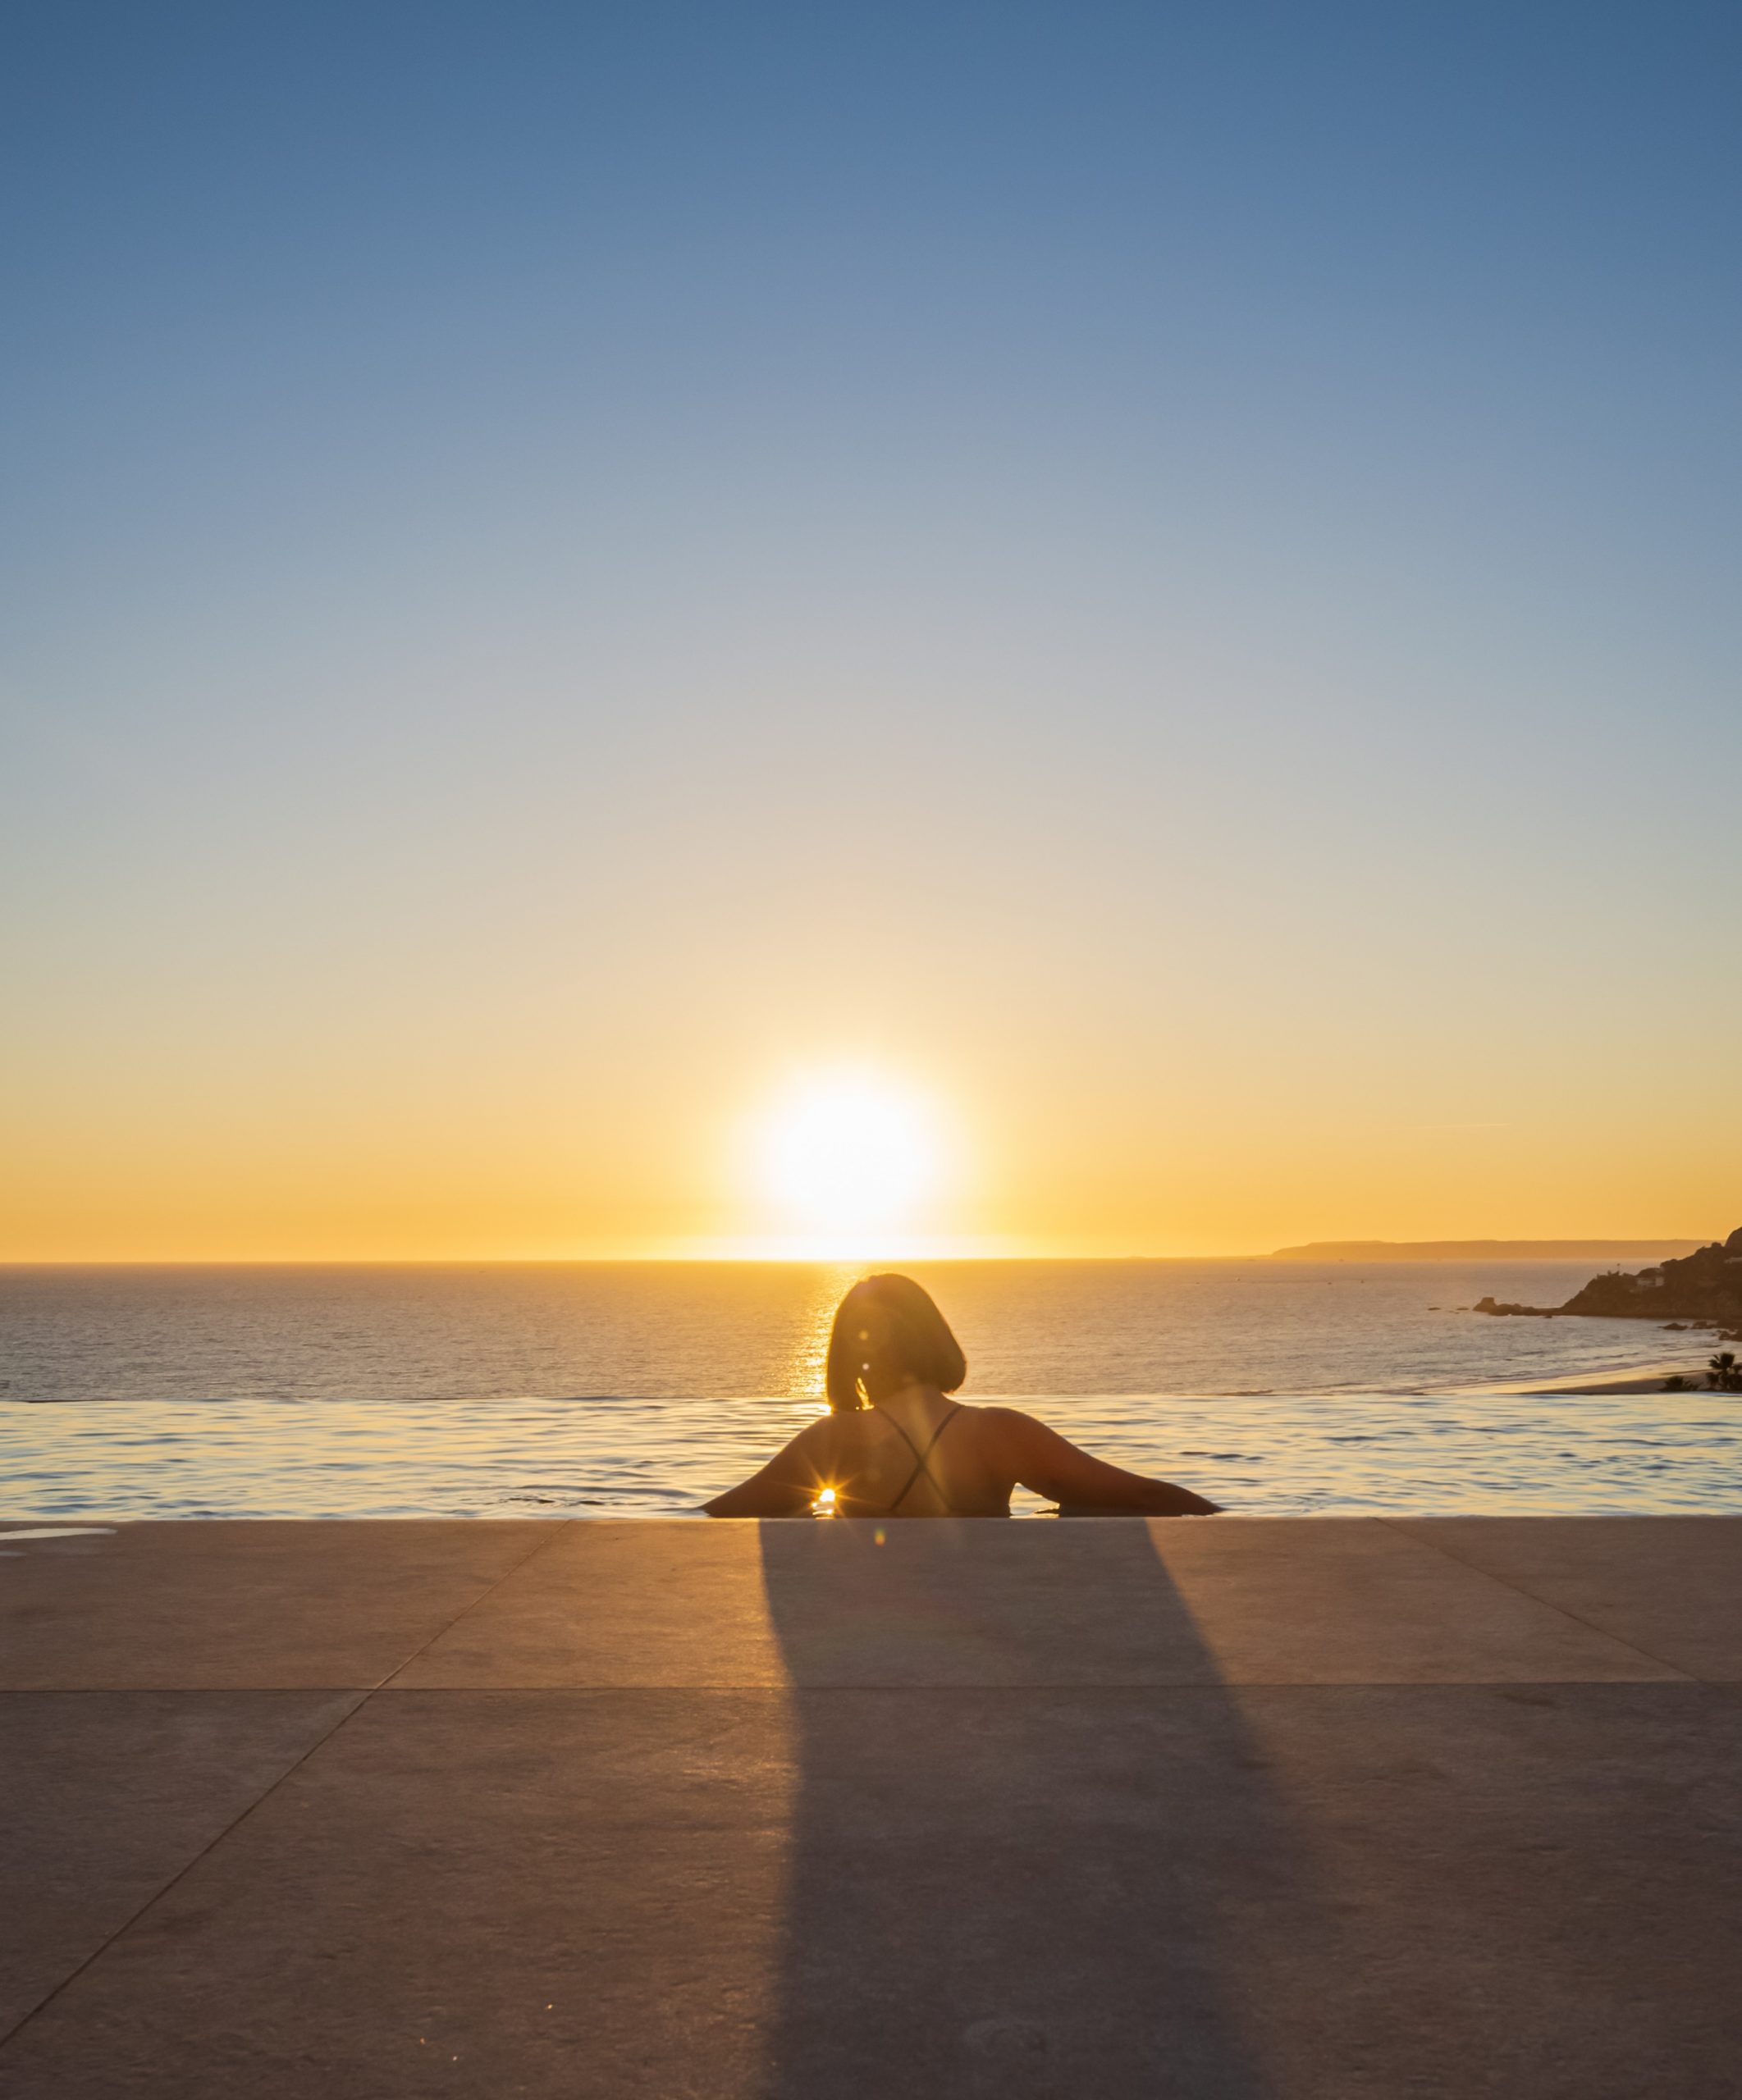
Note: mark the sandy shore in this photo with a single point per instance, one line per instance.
(1635, 1381)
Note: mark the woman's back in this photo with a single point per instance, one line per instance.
(915, 1454)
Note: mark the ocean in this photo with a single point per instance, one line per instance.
(639, 1389)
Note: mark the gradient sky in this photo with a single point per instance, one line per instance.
(1164, 576)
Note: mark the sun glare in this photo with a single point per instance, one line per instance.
(849, 1162)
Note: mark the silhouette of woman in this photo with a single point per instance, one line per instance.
(893, 1445)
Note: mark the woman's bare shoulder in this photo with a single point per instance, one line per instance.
(1001, 1428)
(1007, 1420)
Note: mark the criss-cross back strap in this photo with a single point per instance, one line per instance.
(921, 1461)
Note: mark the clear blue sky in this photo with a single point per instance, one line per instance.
(1171, 568)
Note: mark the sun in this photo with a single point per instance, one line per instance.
(850, 1160)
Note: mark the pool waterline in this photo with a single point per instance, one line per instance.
(1274, 1454)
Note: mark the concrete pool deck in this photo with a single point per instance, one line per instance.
(1250, 1807)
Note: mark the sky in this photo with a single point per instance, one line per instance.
(1150, 589)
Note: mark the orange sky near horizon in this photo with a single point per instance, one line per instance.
(405, 1166)
(480, 1049)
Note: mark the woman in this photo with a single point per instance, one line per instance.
(892, 1445)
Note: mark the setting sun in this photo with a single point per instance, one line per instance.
(847, 1160)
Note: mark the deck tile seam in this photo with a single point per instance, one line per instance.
(543, 1546)
(1518, 1589)
(175, 1881)
(364, 1693)
(1023, 1689)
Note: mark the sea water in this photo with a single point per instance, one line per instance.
(606, 1388)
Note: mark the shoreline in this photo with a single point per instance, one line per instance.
(1649, 1380)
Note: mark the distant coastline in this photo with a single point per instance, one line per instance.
(1488, 1250)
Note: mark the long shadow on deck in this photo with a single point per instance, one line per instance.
(1036, 1848)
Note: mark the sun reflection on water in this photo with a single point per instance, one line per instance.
(811, 1345)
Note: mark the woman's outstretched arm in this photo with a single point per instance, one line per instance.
(1051, 1465)
(786, 1486)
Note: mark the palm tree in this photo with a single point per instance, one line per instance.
(1721, 1373)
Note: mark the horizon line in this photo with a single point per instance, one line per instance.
(1592, 1247)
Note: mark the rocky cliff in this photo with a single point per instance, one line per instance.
(1706, 1287)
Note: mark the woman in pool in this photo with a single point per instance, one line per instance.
(893, 1445)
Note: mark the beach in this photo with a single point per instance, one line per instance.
(1689, 1368)
(1252, 1808)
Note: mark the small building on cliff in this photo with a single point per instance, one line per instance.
(1705, 1287)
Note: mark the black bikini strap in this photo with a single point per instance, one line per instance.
(921, 1458)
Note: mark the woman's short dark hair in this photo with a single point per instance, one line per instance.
(887, 1331)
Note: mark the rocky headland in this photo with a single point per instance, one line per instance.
(1704, 1289)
